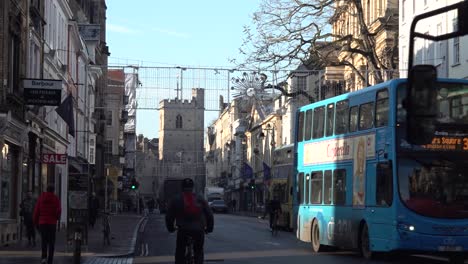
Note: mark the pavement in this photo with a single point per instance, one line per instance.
(124, 231)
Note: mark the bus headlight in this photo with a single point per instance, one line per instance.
(405, 226)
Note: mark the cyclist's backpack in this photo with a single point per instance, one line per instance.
(192, 206)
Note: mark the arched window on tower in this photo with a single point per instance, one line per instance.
(179, 121)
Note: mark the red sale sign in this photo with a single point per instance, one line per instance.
(54, 158)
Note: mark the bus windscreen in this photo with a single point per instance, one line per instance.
(434, 187)
(451, 124)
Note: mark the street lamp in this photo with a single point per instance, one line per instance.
(266, 174)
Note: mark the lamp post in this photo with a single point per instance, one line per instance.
(270, 145)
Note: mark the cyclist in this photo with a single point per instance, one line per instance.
(193, 217)
(273, 207)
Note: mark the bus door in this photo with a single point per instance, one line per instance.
(379, 211)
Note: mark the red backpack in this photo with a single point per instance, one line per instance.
(191, 204)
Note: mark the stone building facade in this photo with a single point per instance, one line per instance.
(181, 132)
(114, 136)
(379, 21)
(147, 164)
(36, 40)
(448, 56)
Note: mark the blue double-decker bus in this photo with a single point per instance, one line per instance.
(360, 184)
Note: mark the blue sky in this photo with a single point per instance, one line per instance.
(170, 33)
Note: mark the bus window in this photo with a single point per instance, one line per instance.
(339, 187)
(300, 127)
(353, 119)
(384, 188)
(327, 192)
(300, 193)
(317, 186)
(319, 121)
(308, 125)
(330, 119)
(401, 97)
(366, 116)
(307, 190)
(342, 118)
(381, 109)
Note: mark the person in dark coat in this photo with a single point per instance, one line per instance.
(46, 215)
(26, 211)
(193, 217)
(93, 209)
(151, 205)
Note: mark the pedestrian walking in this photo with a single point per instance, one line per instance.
(93, 209)
(151, 205)
(26, 211)
(46, 215)
(141, 205)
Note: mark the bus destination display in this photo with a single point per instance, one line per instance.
(448, 143)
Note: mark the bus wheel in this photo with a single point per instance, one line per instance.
(315, 236)
(364, 243)
(457, 259)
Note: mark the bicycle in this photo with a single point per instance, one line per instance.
(189, 254)
(275, 223)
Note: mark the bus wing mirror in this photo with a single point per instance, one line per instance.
(421, 104)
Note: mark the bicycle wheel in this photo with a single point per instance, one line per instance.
(274, 227)
(189, 255)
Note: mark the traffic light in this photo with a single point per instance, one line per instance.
(252, 184)
(134, 184)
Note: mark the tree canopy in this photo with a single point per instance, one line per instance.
(288, 33)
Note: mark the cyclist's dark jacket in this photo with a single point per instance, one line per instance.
(200, 222)
(274, 205)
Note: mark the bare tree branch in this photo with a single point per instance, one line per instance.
(287, 33)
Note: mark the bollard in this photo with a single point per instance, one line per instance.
(77, 247)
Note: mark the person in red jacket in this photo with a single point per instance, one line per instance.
(46, 214)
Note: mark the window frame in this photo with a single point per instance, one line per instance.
(308, 122)
(300, 191)
(330, 122)
(456, 45)
(317, 133)
(328, 187)
(376, 111)
(371, 107)
(338, 110)
(109, 117)
(307, 188)
(179, 121)
(353, 127)
(336, 176)
(312, 191)
(300, 126)
(386, 184)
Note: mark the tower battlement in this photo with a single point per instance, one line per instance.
(198, 100)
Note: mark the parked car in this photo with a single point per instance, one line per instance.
(219, 206)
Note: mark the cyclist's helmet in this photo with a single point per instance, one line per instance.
(187, 184)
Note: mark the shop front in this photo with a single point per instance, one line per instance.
(11, 154)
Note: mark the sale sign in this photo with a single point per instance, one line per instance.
(54, 158)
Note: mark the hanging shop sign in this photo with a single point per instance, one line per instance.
(42, 92)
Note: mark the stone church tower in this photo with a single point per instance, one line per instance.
(181, 131)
